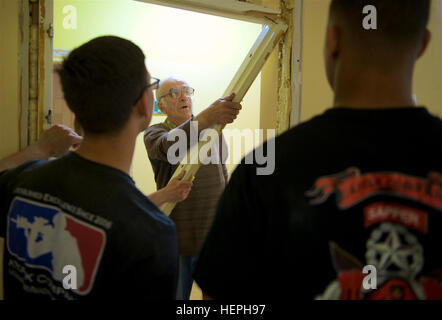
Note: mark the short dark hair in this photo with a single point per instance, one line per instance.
(399, 22)
(101, 81)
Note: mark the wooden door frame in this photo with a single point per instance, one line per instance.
(35, 115)
(35, 68)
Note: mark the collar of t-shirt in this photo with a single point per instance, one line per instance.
(98, 167)
(169, 124)
(172, 125)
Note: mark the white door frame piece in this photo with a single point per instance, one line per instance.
(240, 84)
(233, 9)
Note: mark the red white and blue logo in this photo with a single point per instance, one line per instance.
(44, 237)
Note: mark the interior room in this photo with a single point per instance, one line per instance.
(203, 44)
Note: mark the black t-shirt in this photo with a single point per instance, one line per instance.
(351, 188)
(77, 229)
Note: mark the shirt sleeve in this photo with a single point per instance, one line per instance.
(7, 180)
(227, 265)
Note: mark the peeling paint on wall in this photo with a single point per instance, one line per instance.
(283, 100)
(284, 104)
(33, 75)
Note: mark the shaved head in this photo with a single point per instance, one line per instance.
(401, 24)
(371, 48)
(390, 45)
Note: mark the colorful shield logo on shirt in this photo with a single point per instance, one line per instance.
(44, 237)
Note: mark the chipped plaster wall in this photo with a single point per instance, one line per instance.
(275, 75)
(276, 87)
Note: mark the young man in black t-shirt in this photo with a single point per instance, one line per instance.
(354, 207)
(77, 227)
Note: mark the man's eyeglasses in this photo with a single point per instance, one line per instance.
(154, 85)
(177, 92)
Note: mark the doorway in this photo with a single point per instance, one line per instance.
(202, 49)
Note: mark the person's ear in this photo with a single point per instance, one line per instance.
(142, 105)
(332, 42)
(425, 42)
(161, 106)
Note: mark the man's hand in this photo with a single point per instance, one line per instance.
(176, 191)
(53, 142)
(57, 141)
(222, 111)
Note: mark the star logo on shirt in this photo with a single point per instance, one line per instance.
(391, 248)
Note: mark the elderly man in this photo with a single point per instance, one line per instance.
(193, 217)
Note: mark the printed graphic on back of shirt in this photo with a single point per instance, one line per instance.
(43, 237)
(392, 247)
